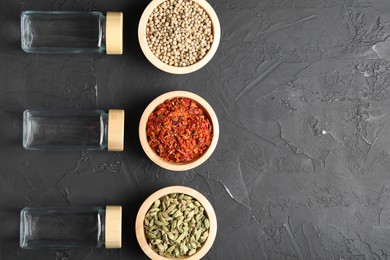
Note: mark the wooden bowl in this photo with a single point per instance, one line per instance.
(173, 69)
(184, 166)
(139, 223)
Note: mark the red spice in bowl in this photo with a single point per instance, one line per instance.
(178, 130)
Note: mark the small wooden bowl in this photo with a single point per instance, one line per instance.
(173, 69)
(139, 223)
(171, 165)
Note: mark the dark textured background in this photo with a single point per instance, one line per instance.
(302, 92)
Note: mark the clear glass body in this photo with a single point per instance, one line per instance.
(65, 130)
(62, 32)
(62, 227)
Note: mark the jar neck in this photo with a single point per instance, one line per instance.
(104, 130)
(102, 32)
(101, 238)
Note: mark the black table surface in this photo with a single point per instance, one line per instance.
(301, 89)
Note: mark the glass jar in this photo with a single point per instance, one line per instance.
(71, 227)
(71, 32)
(79, 130)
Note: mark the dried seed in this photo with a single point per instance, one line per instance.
(151, 235)
(166, 230)
(165, 238)
(180, 221)
(191, 214)
(194, 245)
(206, 223)
(173, 212)
(178, 214)
(187, 198)
(172, 207)
(167, 201)
(156, 241)
(153, 228)
(171, 248)
(198, 224)
(154, 210)
(173, 226)
(177, 252)
(164, 214)
(192, 251)
(204, 237)
(161, 248)
(185, 229)
(181, 237)
(159, 223)
(198, 233)
(171, 235)
(177, 226)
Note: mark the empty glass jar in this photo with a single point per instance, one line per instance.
(80, 130)
(71, 227)
(71, 32)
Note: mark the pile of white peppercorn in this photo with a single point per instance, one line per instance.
(179, 32)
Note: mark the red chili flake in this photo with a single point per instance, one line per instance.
(178, 130)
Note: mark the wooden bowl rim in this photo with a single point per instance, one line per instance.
(139, 225)
(172, 69)
(153, 155)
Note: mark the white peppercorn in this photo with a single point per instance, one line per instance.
(179, 32)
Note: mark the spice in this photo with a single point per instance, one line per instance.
(178, 130)
(176, 225)
(179, 32)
